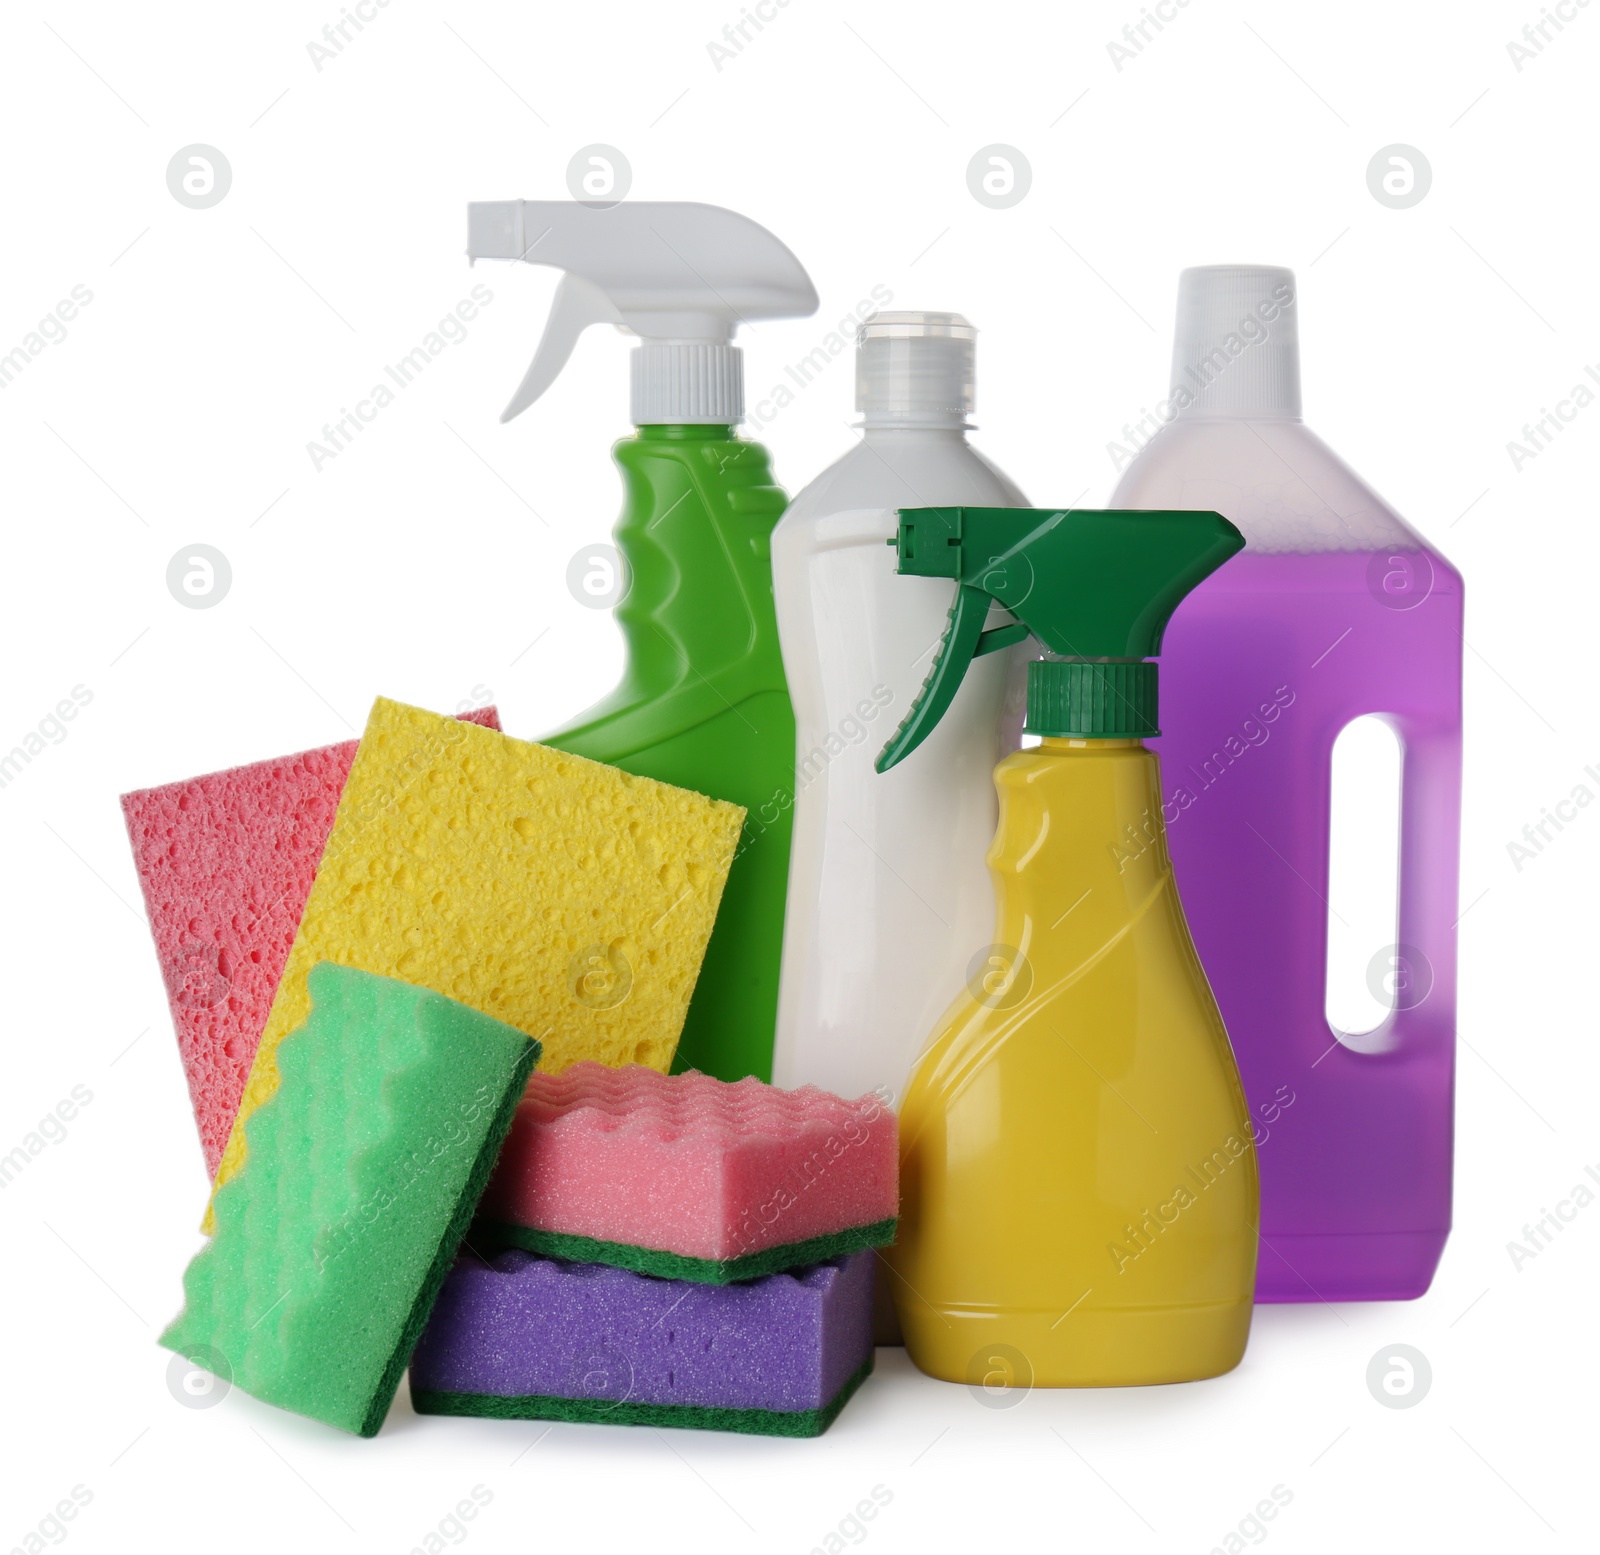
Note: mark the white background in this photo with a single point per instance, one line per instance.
(427, 562)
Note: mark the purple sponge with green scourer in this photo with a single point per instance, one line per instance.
(362, 1172)
(524, 1337)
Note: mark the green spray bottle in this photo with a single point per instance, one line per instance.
(702, 702)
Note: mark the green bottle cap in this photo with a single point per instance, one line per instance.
(1082, 700)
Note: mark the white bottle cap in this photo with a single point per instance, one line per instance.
(1236, 349)
(915, 369)
(694, 384)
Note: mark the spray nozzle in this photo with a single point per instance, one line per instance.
(681, 276)
(1096, 588)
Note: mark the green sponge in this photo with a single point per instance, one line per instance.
(362, 1172)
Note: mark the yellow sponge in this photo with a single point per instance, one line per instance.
(564, 897)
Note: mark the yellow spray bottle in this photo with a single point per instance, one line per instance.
(1078, 1175)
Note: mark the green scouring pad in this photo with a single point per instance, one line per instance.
(361, 1175)
(681, 1417)
(488, 1235)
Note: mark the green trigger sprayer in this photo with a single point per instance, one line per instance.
(1095, 587)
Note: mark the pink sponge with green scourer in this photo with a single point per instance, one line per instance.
(690, 1178)
(226, 863)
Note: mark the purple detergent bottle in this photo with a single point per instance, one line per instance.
(1336, 609)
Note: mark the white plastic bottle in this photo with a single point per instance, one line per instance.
(889, 898)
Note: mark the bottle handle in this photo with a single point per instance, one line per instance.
(1422, 960)
(1430, 865)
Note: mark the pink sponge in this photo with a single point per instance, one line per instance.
(226, 863)
(687, 1177)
